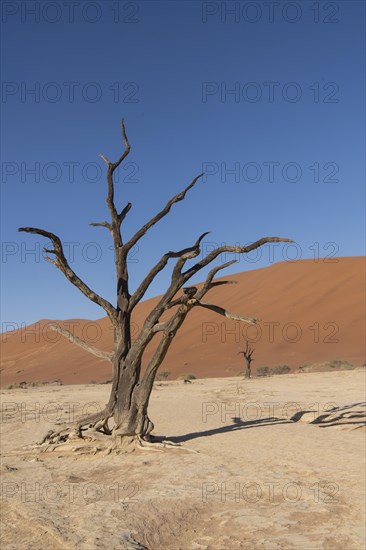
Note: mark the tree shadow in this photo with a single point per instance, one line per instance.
(338, 416)
(238, 424)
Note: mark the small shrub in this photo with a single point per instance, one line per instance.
(263, 371)
(281, 369)
(163, 375)
(20, 386)
(305, 367)
(339, 364)
(188, 376)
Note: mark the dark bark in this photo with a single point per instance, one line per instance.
(130, 392)
(247, 353)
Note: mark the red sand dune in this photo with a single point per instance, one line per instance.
(310, 312)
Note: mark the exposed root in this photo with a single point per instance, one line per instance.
(94, 441)
(102, 426)
(99, 421)
(92, 434)
(146, 445)
(92, 428)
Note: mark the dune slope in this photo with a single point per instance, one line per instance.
(310, 312)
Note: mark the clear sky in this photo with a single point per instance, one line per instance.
(266, 97)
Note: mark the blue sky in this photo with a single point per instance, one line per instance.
(267, 98)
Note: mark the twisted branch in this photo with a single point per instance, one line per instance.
(184, 254)
(225, 313)
(62, 264)
(209, 284)
(81, 343)
(112, 166)
(234, 249)
(177, 198)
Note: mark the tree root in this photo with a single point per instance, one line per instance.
(92, 434)
(94, 442)
(94, 427)
(158, 446)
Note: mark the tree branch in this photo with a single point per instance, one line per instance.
(170, 329)
(248, 351)
(185, 254)
(102, 224)
(81, 343)
(123, 213)
(179, 279)
(208, 283)
(177, 198)
(160, 327)
(196, 298)
(235, 249)
(112, 166)
(123, 295)
(127, 146)
(218, 283)
(62, 264)
(225, 313)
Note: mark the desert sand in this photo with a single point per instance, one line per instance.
(254, 471)
(310, 311)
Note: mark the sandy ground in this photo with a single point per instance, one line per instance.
(257, 481)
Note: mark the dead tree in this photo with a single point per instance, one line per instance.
(248, 352)
(132, 385)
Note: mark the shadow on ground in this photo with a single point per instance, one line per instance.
(337, 416)
(238, 424)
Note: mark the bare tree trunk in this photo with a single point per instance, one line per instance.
(130, 414)
(247, 353)
(248, 372)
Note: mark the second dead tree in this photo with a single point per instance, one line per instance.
(247, 353)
